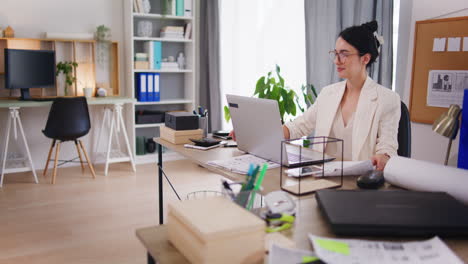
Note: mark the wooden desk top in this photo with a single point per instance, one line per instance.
(91, 101)
(309, 219)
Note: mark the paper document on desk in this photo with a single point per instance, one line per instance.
(350, 168)
(356, 251)
(280, 255)
(241, 164)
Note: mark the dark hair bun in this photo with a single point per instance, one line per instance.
(371, 26)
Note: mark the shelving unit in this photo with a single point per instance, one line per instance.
(177, 87)
(81, 51)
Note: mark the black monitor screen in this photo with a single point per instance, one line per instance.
(29, 68)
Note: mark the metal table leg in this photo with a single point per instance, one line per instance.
(160, 183)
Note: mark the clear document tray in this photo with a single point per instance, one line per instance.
(304, 162)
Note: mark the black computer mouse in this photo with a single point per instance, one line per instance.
(371, 180)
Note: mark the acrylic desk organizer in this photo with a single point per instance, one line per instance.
(308, 175)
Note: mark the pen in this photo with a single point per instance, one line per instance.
(258, 184)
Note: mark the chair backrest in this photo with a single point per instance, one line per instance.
(68, 119)
(404, 133)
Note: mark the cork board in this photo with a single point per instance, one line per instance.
(426, 60)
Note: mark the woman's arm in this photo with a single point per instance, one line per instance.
(387, 134)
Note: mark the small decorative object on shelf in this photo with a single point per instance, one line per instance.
(145, 28)
(67, 68)
(103, 33)
(1, 32)
(9, 32)
(146, 6)
(101, 92)
(181, 60)
(88, 92)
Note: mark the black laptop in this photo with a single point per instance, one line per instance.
(394, 213)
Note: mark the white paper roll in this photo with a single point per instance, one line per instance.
(425, 176)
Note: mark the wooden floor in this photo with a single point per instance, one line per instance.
(81, 220)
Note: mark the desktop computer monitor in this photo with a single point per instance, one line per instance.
(26, 69)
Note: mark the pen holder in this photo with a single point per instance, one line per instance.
(250, 200)
(203, 124)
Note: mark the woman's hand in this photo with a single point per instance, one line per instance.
(233, 135)
(379, 161)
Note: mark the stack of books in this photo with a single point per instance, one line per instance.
(172, 32)
(179, 137)
(167, 65)
(141, 61)
(215, 230)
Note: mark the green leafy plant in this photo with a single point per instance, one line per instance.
(273, 87)
(103, 33)
(67, 67)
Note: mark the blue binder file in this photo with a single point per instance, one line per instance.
(157, 95)
(463, 147)
(142, 93)
(150, 83)
(157, 54)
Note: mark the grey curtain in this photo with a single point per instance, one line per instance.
(325, 19)
(209, 69)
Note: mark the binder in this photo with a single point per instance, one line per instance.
(148, 47)
(142, 87)
(157, 53)
(150, 95)
(188, 8)
(157, 95)
(463, 144)
(179, 7)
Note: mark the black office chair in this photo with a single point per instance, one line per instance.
(68, 120)
(404, 133)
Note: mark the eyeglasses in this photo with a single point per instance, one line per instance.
(342, 55)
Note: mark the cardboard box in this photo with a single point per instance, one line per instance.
(179, 136)
(215, 230)
(141, 65)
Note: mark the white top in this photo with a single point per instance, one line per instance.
(344, 132)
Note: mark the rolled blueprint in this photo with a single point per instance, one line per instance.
(426, 176)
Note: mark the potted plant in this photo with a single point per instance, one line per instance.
(271, 87)
(67, 68)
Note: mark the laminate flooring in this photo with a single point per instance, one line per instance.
(81, 220)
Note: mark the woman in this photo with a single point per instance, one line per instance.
(358, 110)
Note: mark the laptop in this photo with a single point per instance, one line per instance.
(393, 213)
(257, 123)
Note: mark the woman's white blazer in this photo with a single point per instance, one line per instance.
(375, 128)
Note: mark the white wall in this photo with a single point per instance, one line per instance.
(426, 144)
(30, 19)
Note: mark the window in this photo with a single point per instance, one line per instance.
(257, 35)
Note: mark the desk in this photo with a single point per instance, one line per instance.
(308, 218)
(113, 114)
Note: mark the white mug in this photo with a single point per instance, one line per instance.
(88, 92)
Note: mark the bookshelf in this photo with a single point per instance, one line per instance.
(177, 86)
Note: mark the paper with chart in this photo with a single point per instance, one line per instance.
(281, 255)
(241, 164)
(446, 87)
(356, 251)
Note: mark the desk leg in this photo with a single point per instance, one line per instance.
(150, 258)
(160, 183)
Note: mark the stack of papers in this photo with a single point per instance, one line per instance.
(241, 164)
(365, 251)
(350, 168)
